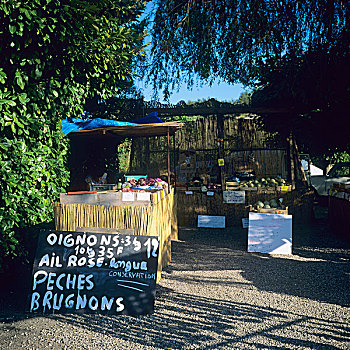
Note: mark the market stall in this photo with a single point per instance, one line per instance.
(260, 180)
(140, 203)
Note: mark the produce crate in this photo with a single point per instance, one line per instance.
(283, 211)
(253, 189)
(194, 188)
(232, 186)
(266, 189)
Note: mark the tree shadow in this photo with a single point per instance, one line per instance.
(181, 321)
(319, 268)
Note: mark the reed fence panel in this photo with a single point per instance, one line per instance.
(160, 219)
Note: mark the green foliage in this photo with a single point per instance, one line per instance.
(315, 88)
(54, 55)
(338, 157)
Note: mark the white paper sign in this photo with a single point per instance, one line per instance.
(210, 193)
(245, 222)
(270, 233)
(234, 196)
(143, 196)
(128, 196)
(211, 221)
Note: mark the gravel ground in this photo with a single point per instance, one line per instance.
(215, 295)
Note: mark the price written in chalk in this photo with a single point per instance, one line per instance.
(104, 273)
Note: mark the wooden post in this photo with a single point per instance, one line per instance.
(174, 159)
(147, 159)
(291, 160)
(221, 169)
(297, 155)
(168, 138)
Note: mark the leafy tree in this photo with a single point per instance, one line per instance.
(230, 39)
(54, 55)
(295, 52)
(315, 87)
(244, 98)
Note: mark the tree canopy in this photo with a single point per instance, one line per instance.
(230, 39)
(54, 55)
(292, 53)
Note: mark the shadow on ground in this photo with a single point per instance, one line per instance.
(319, 270)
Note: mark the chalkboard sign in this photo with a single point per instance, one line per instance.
(94, 273)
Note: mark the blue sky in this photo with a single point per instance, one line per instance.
(219, 90)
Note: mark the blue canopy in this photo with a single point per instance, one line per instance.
(77, 124)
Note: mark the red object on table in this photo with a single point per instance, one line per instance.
(82, 192)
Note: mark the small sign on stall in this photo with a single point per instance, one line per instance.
(128, 196)
(236, 197)
(221, 162)
(210, 193)
(143, 196)
(270, 233)
(188, 192)
(245, 222)
(211, 221)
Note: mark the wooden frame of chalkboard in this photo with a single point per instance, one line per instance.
(90, 272)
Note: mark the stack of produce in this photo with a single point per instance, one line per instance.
(261, 183)
(273, 203)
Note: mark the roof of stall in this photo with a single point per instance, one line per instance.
(154, 129)
(149, 125)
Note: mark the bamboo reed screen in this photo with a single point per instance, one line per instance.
(160, 219)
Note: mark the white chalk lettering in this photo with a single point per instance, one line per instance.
(34, 305)
(106, 304)
(69, 240)
(92, 240)
(93, 303)
(82, 261)
(57, 305)
(50, 281)
(38, 281)
(106, 240)
(45, 260)
(46, 300)
(72, 261)
(115, 241)
(69, 302)
(58, 285)
(120, 305)
(54, 261)
(70, 282)
(74, 301)
(81, 302)
(80, 239)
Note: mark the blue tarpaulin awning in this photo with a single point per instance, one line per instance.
(150, 125)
